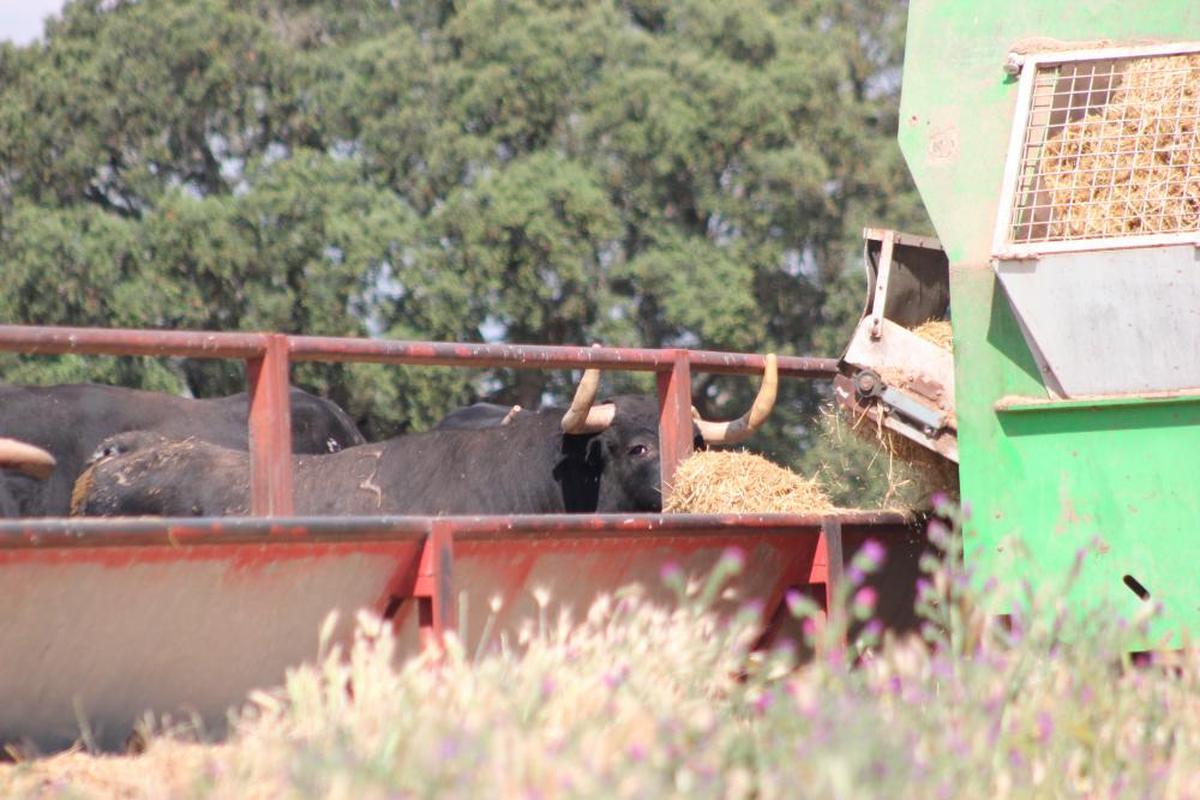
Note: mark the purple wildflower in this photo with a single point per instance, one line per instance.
(671, 572)
(873, 553)
(734, 557)
(864, 600)
(1045, 727)
(795, 602)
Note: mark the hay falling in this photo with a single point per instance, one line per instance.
(726, 482)
(1131, 168)
(937, 331)
(913, 474)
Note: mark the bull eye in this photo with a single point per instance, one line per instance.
(638, 450)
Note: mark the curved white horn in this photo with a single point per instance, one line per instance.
(25, 457)
(740, 429)
(582, 416)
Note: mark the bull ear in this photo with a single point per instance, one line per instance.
(595, 454)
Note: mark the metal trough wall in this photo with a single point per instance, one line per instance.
(109, 619)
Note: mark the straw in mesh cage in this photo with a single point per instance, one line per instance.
(1111, 148)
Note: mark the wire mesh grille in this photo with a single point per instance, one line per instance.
(1111, 148)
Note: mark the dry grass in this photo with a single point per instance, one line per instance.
(937, 331)
(638, 700)
(1133, 168)
(168, 768)
(727, 482)
(914, 475)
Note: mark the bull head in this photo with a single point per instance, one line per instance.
(26, 458)
(585, 417)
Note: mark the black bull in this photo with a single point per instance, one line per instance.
(527, 466)
(71, 420)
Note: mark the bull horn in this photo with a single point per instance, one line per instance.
(741, 428)
(26, 458)
(582, 417)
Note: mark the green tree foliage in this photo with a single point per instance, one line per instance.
(637, 172)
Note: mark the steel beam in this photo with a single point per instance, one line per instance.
(434, 589)
(675, 418)
(53, 340)
(270, 430)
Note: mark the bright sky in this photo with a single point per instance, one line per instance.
(21, 20)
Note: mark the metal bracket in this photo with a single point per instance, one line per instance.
(881, 283)
(930, 419)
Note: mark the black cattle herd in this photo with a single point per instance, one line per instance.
(92, 450)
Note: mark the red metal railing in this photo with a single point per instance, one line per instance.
(268, 357)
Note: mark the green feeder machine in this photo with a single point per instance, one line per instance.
(1056, 147)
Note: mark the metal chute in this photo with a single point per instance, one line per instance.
(888, 373)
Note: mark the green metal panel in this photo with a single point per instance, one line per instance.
(1055, 475)
(957, 103)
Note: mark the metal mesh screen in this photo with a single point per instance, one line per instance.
(1111, 148)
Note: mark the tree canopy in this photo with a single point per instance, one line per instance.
(633, 172)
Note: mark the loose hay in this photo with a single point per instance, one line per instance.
(937, 331)
(913, 474)
(1131, 168)
(726, 482)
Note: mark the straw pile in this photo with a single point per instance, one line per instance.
(725, 482)
(1134, 167)
(937, 331)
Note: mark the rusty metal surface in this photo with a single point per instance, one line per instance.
(528, 356)
(675, 420)
(68, 532)
(626, 525)
(943, 442)
(39, 340)
(50, 340)
(270, 430)
(176, 616)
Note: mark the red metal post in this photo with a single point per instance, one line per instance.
(835, 565)
(434, 591)
(831, 533)
(270, 430)
(675, 417)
